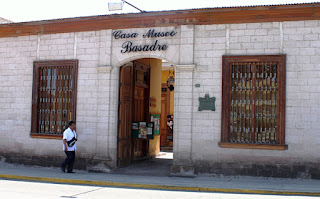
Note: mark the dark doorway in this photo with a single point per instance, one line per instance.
(133, 106)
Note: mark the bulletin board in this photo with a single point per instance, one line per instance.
(155, 118)
(142, 130)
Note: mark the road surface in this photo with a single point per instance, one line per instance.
(10, 189)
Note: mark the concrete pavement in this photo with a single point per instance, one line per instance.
(202, 182)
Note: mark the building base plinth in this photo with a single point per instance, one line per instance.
(182, 171)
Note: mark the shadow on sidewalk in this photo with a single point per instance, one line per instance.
(158, 166)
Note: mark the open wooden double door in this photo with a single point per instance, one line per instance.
(133, 106)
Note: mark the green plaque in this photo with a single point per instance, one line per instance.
(207, 103)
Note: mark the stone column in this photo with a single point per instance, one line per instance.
(113, 115)
(102, 160)
(183, 117)
(183, 105)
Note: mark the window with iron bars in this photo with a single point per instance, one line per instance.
(54, 97)
(253, 104)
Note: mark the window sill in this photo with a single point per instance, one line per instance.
(253, 146)
(56, 137)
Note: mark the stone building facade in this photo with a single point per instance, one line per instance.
(196, 50)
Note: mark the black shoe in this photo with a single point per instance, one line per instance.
(71, 172)
(62, 169)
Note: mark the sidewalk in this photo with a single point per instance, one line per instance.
(204, 183)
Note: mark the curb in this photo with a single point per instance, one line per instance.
(153, 186)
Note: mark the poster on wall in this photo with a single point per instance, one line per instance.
(142, 130)
(170, 128)
(155, 118)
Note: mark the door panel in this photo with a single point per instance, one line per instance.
(125, 115)
(165, 110)
(139, 114)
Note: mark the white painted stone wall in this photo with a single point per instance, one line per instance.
(197, 53)
(300, 42)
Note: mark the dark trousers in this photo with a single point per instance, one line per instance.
(71, 156)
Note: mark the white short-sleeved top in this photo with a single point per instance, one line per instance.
(68, 134)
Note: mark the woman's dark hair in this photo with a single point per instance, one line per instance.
(70, 123)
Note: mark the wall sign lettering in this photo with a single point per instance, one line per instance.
(120, 35)
(129, 46)
(152, 33)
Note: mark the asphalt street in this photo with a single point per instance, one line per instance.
(153, 174)
(10, 189)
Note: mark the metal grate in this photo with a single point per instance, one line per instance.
(55, 99)
(254, 96)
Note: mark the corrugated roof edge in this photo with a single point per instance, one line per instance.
(154, 11)
(6, 20)
(245, 6)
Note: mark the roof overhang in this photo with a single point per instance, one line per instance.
(253, 14)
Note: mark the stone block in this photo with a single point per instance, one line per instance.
(182, 171)
(290, 31)
(186, 54)
(201, 34)
(304, 30)
(243, 39)
(307, 51)
(270, 25)
(248, 45)
(293, 24)
(218, 33)
(233, 46)
(203, 122)
(186, 28)
(233, 40)
(249, 32)
(187, 34)
(295, 37)
(236, 51)
(236, 33)
(203, 61)
(261, 32)
(273, 45)
(203, 46)
(185, 102)
(187, 109)
(184, 146)
(314, 81)
(254, 26)
(219, 46)
(272, 51)
(255, 51)
(238, 26)
(312, 23)
(311, 37)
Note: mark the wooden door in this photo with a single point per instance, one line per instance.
(139, 114)
(141, 106)
(125, 115)
(165, 110)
